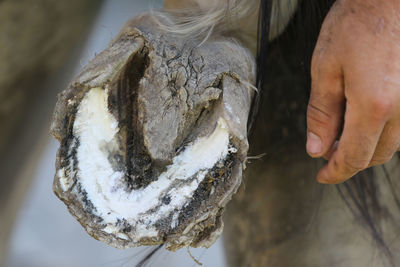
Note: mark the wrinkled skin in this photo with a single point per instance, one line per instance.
(355, 85)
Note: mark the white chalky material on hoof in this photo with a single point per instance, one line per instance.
(153, 137)
(106, 189)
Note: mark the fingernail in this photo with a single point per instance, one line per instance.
(314, 144)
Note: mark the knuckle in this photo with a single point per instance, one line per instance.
(381, 106)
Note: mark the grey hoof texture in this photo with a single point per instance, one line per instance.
(153, 137)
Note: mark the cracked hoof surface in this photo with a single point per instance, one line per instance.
(153, 138)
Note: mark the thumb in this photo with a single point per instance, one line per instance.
(324, 113)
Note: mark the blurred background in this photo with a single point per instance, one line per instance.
(43, 45)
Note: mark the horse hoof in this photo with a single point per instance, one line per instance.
(153, 138)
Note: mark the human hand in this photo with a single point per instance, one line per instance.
(355, 87)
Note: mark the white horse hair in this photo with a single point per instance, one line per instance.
(202, 18)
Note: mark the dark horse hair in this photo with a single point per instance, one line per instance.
(360, 193)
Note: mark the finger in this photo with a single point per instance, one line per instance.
(325, 107)
(356, 147)
(329, 154)
(388, 144)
